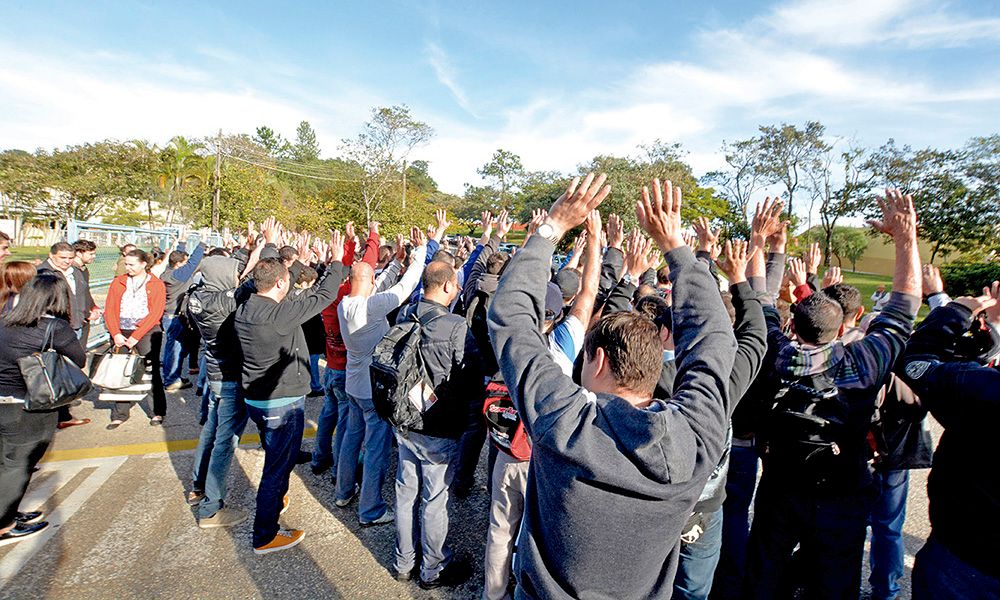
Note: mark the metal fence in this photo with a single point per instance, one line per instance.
(108, 263)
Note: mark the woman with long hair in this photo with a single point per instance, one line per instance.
(13, 276)
(40, 320)
(132, 313)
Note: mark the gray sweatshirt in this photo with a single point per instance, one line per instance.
(611, 486)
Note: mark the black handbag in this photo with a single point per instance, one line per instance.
(52, 380)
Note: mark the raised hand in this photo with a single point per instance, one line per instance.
(641, 254)
(576, 203)
(797, 271)
(271, 230)
(987, 301)
(504, 223)
(349, 231)
(708, 239)
(767, 223)
(373, 228)
(659, 215)
(737, 254)
(593, 227)
(899, 219)
(616, 231)
(441, 223)
(417, 237)
(690, 239)
(812, 257)
(400, 247)
(336, 249)
(488, 222)
(932, 282)
(833, 276)
(538, 217)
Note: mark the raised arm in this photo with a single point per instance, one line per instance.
(540, 390)
(385, 302)
(702, 332)
(583, 306)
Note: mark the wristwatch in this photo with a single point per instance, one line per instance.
(548, 232)
(629, 280)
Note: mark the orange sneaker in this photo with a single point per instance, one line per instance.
(285, 539)
(284, 505)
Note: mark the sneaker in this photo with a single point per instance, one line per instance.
(195, 497)
(27, 518)
(224, 517)
(174, 387)
(114, 424)
(284, 505)
(22, 531)
(285, 539)
(455, 573)
(156, 421)
(303, 457)
(387, 517)
(341, 503)
(402, 576)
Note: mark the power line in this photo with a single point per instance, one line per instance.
(279, 170)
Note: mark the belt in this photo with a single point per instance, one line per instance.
(741, 443)
(10, 400)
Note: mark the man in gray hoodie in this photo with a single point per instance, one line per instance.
(614, 474)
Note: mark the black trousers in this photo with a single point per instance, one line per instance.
(149, 348)
(831, 529)
(24, 437)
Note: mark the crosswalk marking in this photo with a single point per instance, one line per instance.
(62, 474)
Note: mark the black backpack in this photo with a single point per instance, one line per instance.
(806, 427)
(401, 389)
(476, 316)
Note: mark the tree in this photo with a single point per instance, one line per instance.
(847, 200)
(274, 145)
(306, 148)
(380, 149)
(739, 180)
(787, 152)
(504, 173)
(848, 243)
(418, 177)
(181, 170)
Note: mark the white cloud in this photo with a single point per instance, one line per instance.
(445, 73)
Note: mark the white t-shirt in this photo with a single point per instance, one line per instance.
(566, 342)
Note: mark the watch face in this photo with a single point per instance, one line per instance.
(545, 230)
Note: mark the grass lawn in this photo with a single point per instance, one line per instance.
(102, 269)
(866, 283)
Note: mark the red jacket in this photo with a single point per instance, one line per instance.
(156, 296)
(336, 352)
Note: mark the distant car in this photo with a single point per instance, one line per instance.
(507, 247)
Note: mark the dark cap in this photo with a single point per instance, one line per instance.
(553, 302)
(568, 281)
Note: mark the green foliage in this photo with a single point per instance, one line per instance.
(969, 279)
(306, 147)
(786, 153)
(503, 173)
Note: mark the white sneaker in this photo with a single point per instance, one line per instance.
(387, 517)
(342, 503)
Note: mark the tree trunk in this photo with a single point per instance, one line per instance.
(937, 246)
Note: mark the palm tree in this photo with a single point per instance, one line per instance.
(181, 168)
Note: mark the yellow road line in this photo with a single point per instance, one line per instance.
(146, 448)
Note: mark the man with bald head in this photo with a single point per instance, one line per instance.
(363, 324)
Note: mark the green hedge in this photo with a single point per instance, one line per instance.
(968, 279)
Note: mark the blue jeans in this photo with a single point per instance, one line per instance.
(425, 469)
(315, 383)
(280, 435)
(202, 381)
(329, 437)
(940, 575)
(364, 426)
(174, 356)
(227, 416)
(698, 560)
(887, 550)
(740, 485)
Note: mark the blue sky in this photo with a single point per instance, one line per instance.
(556, 84)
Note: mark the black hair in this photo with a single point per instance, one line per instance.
(84, 246)
(176, 257)
(817, 319)
(847, 296)
(44, 294)
(268, 272)
(288, 253)
(657, 310)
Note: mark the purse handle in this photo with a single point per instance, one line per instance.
(47, 340)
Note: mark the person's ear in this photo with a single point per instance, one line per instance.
(600, 361)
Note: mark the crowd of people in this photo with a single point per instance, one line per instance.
(626, 396)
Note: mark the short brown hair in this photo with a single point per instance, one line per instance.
(817, 319)
(663, 275)
(268, 272)
(84, 246)
(61, 247)
(632, 344)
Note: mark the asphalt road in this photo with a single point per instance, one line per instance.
(121, 528)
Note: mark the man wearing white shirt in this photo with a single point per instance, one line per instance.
(363, 324)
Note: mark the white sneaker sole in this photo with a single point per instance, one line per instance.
(204, 525)
(280, 548)
(22, 538)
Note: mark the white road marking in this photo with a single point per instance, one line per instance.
(64, 472)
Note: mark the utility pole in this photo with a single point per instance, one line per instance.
(218, 182)
(404, 184)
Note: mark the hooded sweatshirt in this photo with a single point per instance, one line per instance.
(611, 485)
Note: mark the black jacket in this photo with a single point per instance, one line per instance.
(963, 487)
(902, 439)
(80, 300)
(275, 355)
(18, 342)
(211, 308)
